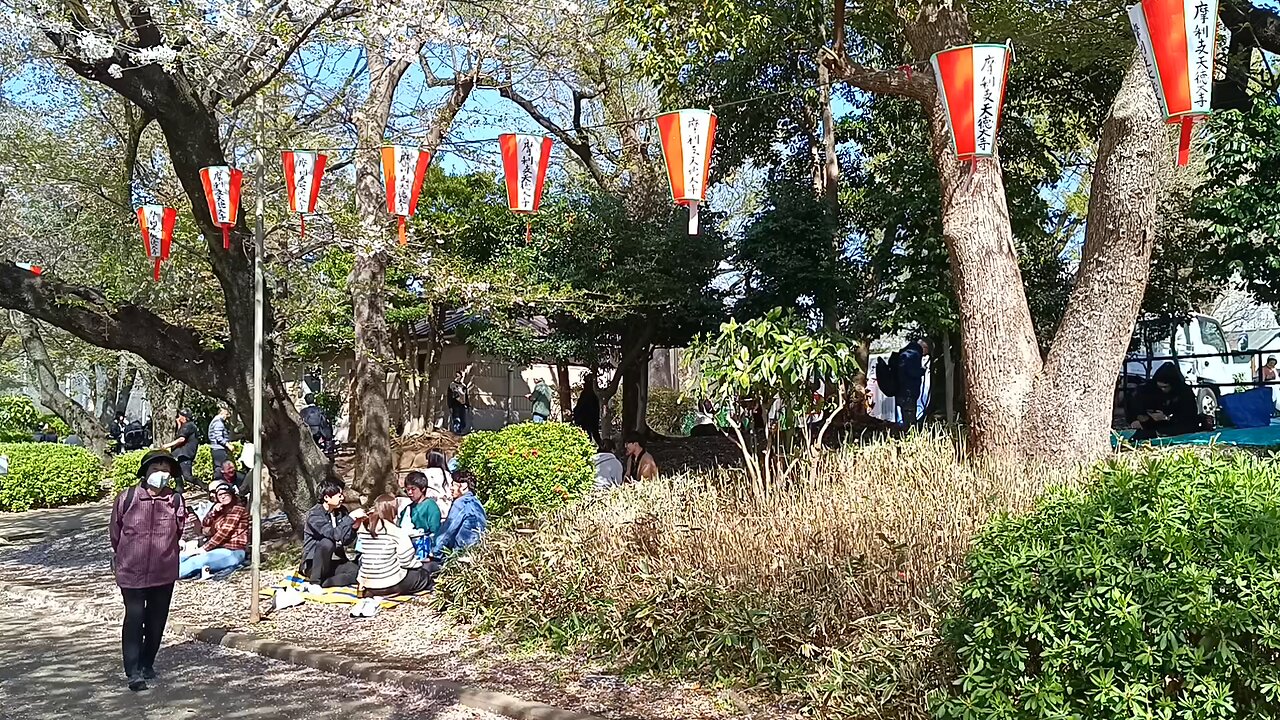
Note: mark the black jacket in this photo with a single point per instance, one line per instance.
(1178, 405)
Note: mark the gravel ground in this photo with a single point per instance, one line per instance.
(412, 637)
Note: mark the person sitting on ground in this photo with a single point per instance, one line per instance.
(640, 464)
(439, 481)
(1164, 406)
(46, 434)
(609, 470)
(227, 524)
(328, 530)
(388, 563)
(423, 514)
(227, 473)
(467, 520)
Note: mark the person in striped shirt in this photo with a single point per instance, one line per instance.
(388, 563)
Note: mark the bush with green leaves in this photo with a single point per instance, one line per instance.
(48, 475)
(530, 468)
(124, 469)
(1151, 593)
(667, 409)
(18, 418)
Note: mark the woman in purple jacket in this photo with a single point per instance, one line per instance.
(146, 526)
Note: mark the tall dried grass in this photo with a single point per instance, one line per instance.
(825, 590)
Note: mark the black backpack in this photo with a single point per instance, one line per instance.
(887, 374)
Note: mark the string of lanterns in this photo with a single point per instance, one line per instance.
(1176, 38)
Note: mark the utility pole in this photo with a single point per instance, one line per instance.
(259, 245)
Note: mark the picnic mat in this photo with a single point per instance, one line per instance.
(1268, 436)
(344, 595)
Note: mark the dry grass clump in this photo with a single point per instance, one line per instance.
(825, 589)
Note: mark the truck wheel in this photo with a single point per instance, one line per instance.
(1207, 400)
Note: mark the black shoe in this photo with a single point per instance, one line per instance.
(148, 673)
(136, 683)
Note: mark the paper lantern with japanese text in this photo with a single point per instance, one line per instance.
(1177, 40)
(222, 193)
(33, 269)
(687, 137)
(524, 166)
(403, 170)
(156, 223)
(303, 171)
(971, 80)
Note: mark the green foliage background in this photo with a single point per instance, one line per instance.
(48, 475)
(529, 469)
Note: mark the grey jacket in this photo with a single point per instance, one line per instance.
(321, 524)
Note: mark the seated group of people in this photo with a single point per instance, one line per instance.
(394, 547)
(215, 536)
(612, 472)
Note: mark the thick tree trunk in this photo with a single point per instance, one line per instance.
(1069, 417)
(566, 391)
(999, 350)
(80, 420)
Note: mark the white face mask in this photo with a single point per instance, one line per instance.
(158, 479)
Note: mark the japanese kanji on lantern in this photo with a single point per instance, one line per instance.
(971, 80)
(156, 223)
(687, 137)
(524, 165)
(1177, 40)
(222, 193)
(403, 169)
(302, 173)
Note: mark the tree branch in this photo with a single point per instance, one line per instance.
(908, 81)
(1263, 24)
(581, 149)
(330, 12)
(87, 314)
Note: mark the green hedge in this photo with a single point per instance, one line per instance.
(124, 470)
(1152, 593)
(18, 418)
(48, 475)
(530, 468)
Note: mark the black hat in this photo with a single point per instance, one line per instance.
(163, 456)
(186, 414)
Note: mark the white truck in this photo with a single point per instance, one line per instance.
(1200, 349)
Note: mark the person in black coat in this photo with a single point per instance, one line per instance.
(1164, 406)
(586, 414)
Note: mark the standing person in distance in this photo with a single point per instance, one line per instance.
(586, 414)
(146, 524)
(318, 424)
(184, 447)
(459, 404)
(219, 438)
(910, 372)
(541, 399)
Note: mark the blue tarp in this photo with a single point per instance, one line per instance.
(1268, 436)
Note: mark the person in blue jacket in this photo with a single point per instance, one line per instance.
(466, 521)
(911, 380)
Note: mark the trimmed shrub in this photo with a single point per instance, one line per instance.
(1151, 593)
(124, 470)
(48, 475)
(530, 468)
(18, 418)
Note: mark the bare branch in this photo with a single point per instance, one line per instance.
(907, 81)
(579, 146)
(330, 12)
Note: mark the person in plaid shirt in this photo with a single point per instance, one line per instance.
(227, 525)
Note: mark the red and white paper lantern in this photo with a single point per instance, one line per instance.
(1177, 40)
(156, 223)
(687, 137)
(403, 170)
(302, 173)
(972, 82)
(33, 269)
(222, 193)
(524, 165)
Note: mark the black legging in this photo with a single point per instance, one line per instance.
(146, 610)
(325, 571)
(415, 580)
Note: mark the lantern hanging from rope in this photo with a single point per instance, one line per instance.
(687, 137)
(222, 193)
(156, 223)
(1177, 40)
(971, 80)
(524, 165)
(303, 171)
(403, 170)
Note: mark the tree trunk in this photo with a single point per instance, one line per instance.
(999, 350)
(566, 391)
(81, 421)
(1069, 417)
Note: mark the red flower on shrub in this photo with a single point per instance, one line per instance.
(561, 491)
(535, 452)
